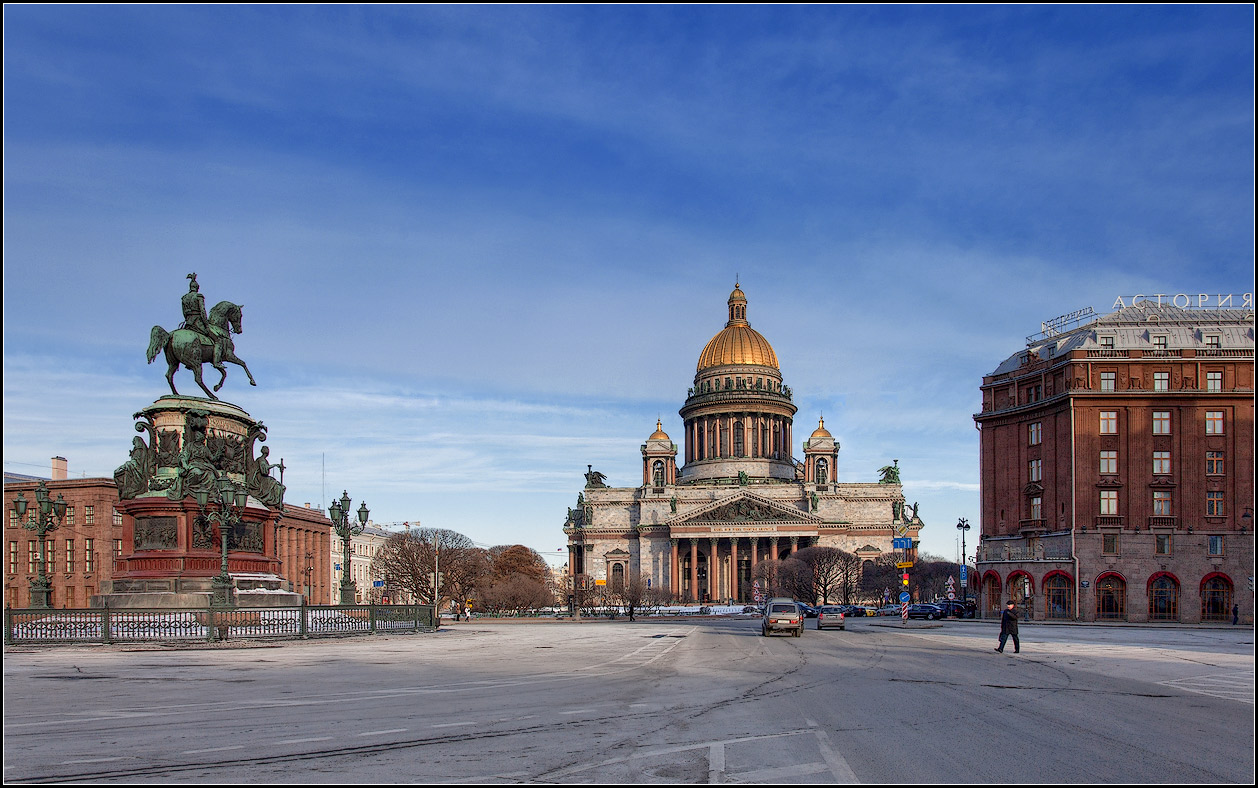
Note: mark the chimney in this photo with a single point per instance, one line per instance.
(60, 472)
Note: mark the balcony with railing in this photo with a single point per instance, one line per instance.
(1054, 548)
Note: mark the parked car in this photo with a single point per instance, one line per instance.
(928, 612)
(782, 614)
(889, 610)
(829, 616)
(861, 610)
(808, 610)
(956, 608)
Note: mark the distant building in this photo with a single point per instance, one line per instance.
(363, 547)
(742, 496)
(81, 553)
(1117, 469)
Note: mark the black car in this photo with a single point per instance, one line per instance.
(808, 610)
(956, 608)
(928, 612)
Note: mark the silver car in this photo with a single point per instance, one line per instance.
(831, 617)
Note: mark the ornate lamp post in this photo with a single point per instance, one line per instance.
(231, 499)
(347, 530)
(48, 517)
(963, 526)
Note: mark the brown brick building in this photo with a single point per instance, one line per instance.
(1117, 469)
(81, 552)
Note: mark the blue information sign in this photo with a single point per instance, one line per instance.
(902, 543)
(904, 596)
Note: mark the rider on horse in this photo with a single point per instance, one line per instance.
(194, 319)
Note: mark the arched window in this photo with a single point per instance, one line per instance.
(658, 473)
(822, 469)
(1216, 599)
(1164, 599)
(1111, 598)
(738, 439)
(991, 596)
(1059, 597)
(618, 576)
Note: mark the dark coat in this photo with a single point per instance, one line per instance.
(1009, 622)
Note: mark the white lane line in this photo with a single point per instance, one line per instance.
(838, 765)
(577, 711)
(304, 741)
(214, 749)
(382, 733)
(716, 763)
(98, 760)
(452, 724)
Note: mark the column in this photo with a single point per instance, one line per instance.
(773, 548)
(733, 569)
(755, 547)
(694, 569)
(674, 575)
(713, 586)
(794, 545)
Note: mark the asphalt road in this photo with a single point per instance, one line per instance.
(680, 701)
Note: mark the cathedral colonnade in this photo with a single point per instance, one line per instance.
(707, 568)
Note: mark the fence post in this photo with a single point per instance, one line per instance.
(8, 625)
(106, 629)
(301, 627)
(210, 624)
(371, 618)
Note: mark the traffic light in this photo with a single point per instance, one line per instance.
(904, 578)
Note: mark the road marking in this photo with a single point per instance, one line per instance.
(304, 741)
(382, 733)
(716, 763)
(774, 774)
(214, 749)
(452, 724)
(655, 753)
(577, 711)
(838, 765)
(98, 760)
(1238, 686)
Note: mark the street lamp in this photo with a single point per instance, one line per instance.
(231, 500)
(963, 526)
(347, 530)
(48, 517)
(308, 570)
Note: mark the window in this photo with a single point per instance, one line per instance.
(1214, 381)
(1033, 470)
(1214, 422)
(1109, 422)
(89, 517)
(1109, 544)
(1159, 343)
(1109, 462)
(88, 555)
(1037, 508)
(1214, 341)
(1108, 380)
(1162, 544)
(13, 558)
(1164, 599)
(1214, 503)
(1111, 598)
(1161, 422)
(1215, 545)
(1161, 381)
(118, 547)
(1162, 503)
(69, 515)
(1107, 343)
(1109, 502)
(50, 560)
(1034, 434)
(69, 555)
(1214, 462)
(1161, 463)
(32, 555)
(117, 517)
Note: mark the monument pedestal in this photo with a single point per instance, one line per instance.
(172, 545)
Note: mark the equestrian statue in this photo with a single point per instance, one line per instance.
(201, 338)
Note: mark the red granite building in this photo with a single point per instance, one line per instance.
(1117, 469)
(82, 551)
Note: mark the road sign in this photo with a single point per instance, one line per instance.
(950, 582)
(963, 575)
(904, 565)
(904, 597)
(952, 595)
(902, 543)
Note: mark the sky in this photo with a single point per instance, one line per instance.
(481, 247)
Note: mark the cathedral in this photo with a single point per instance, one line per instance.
(741, 495)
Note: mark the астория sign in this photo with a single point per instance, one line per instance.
(1184, 300)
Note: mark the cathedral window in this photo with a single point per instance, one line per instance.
(738, 440)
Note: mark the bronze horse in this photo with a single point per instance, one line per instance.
(187, 347)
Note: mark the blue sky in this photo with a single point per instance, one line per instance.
(481, 247)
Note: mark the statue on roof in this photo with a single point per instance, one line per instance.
(890, 473)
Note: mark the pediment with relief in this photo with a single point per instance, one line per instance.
(743, 508)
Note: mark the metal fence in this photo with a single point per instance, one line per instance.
(102, 625)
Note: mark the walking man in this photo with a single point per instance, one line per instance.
(1009, 628)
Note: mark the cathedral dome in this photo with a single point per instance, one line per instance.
(821, 431)
(738, 342)
(659, 434)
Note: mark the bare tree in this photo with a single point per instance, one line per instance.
(827, 566)
(413, 558)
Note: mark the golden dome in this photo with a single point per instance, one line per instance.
(659, 434)
(738, 342)
(821, 431)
